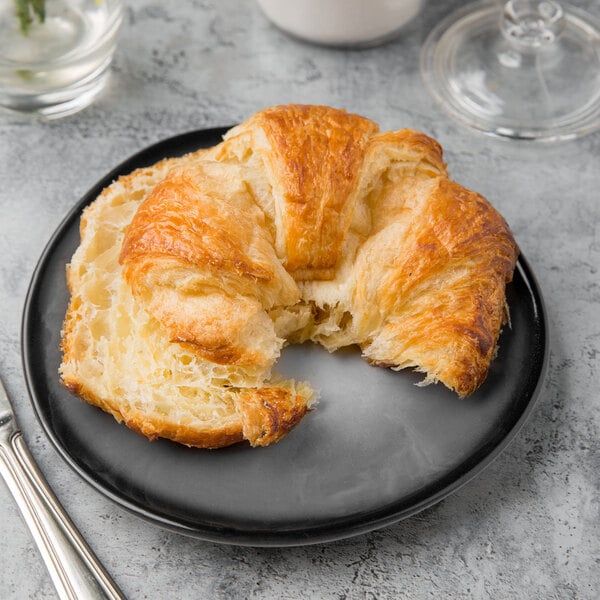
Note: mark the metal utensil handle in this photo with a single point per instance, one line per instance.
(76, 572)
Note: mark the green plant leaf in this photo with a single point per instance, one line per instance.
(26, 10)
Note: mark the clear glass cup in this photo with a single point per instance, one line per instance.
(55, 54)
(525, 69)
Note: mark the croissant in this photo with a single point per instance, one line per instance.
(305, 223)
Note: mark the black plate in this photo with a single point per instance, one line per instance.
(377, 448)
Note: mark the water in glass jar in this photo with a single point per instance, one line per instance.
(58, 59)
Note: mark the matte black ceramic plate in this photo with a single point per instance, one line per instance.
(377, 448)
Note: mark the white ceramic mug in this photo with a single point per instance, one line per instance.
(341, 22)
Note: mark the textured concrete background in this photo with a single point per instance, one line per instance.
(529, 526)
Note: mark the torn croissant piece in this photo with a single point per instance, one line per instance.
(305, 223)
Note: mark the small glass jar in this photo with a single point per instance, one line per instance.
(55, 54)
(342, 23)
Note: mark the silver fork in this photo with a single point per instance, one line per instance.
(75, 571)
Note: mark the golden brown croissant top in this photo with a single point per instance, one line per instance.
(305, 223)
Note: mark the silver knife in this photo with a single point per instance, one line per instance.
(75, 571)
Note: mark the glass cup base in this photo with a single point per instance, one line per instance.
(58, 103)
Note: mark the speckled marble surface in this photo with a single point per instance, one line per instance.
(529, 526)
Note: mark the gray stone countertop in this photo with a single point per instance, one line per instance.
(529, 525)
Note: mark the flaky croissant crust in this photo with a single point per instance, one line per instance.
(116, 355)
(307, 223)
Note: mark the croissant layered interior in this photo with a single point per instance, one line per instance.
(305, 223)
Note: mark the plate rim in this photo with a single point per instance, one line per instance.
(342, 528)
